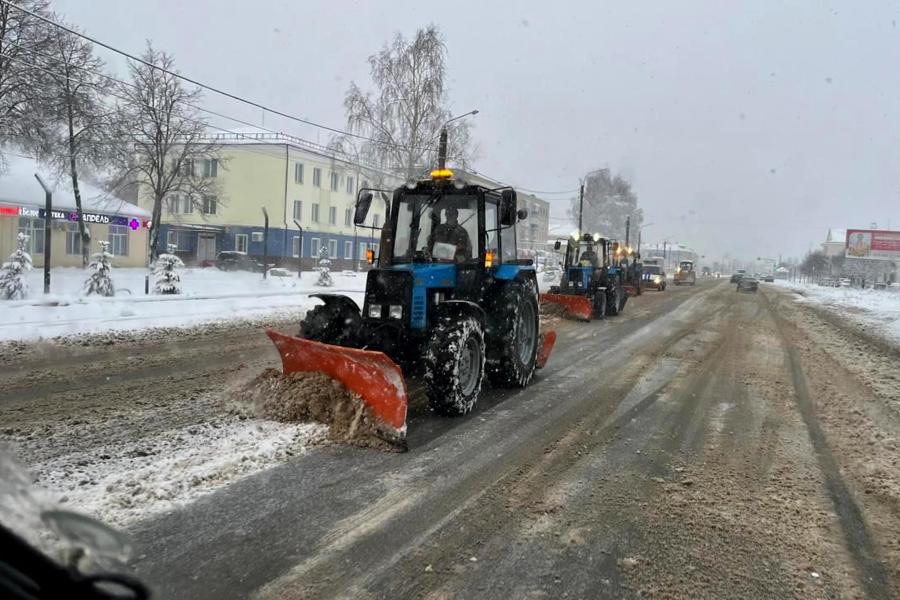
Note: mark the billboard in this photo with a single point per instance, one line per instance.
(873, 243)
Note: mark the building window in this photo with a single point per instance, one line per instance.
(183, 168)
(314, 213)
(315, 245)
(173, 204)
(257, 236)
(209, 205)
(348, 217)
(348, 250)
(362, 251)
(298, 210)
(296, 246)
(34, 229)
(240, 242)
(73, 239)
(171, 240)
(211, 167)
(350, 189)
(335, 180)
(332, 215)
(376, 220)
(332, 249)
(317, 177)
(118, 240)
(298, 173)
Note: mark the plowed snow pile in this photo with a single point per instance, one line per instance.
(304, 397)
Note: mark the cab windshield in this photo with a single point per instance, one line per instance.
(441, 228)
(651, 269)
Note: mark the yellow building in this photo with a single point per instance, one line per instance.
(22, 210)
(297, 182)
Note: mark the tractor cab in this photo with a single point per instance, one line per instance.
(587, 257)
(445, 245)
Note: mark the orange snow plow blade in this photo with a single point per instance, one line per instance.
(372, 376)
(545, 346)
(576, 306)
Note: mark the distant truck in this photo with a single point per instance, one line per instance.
(685, 274)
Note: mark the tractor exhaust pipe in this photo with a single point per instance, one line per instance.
(442, 149)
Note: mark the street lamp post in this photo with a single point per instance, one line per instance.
(442, 144)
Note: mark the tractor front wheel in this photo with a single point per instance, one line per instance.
(332, 323)
(454, 365)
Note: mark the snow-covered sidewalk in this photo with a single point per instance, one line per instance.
(878, 310)
(208, 295)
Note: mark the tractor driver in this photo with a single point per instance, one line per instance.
(588, 257)
(451, 232)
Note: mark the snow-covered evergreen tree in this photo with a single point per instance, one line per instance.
(12, 274)
(100, 281)
(167, 280)
(324, 268)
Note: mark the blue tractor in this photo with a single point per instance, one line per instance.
(447, 299)
(593, 282)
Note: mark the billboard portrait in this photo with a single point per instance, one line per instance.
(873, 243)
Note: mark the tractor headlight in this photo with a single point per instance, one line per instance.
(395, 311)
(374, 311)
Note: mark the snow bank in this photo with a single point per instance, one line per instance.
(124, 483)
(876, 309)
(208, 295)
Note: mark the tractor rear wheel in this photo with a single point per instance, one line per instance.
(600, 305)
(454, 365)
(513, 342)
(331, 324)
(613, 299)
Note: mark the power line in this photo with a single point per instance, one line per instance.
(221, 92)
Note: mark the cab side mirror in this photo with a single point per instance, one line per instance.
(557, 245)
(508, 208)
(362, 208)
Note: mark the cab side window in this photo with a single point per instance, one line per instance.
(491, 234)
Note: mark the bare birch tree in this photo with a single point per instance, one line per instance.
(163, 139)
(72, 136)
(405, 113)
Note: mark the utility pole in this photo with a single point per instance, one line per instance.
(580, 208)
(627, 229)
(48, 216)
(265, 243)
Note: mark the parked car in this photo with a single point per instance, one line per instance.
(231, 260)
(736, 276)
(747, 284)
(769, 278)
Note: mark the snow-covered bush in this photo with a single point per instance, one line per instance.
(167, 280)
(12, 274)
(324, 268)
(100, 281)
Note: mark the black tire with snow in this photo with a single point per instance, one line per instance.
(331, 324)
(600, 305)
(513, 342)
(454, 365)
(614, 301)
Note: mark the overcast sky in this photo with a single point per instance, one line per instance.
(746, 129)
